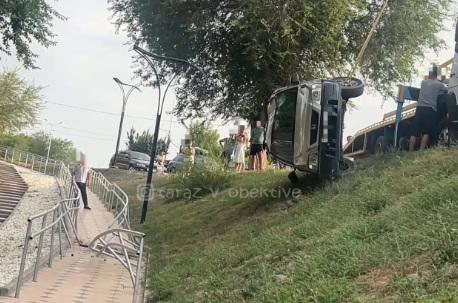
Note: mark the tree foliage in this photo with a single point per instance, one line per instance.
(25, 21)
(38, 143)
(204, 136)
(249, 48)
(143, 143)
(20, 102)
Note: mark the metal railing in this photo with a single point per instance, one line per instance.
(119, 241)
(60, 220)
(31, 161)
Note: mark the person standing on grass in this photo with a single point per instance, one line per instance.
(257, 146)
(239, 155)
(189, 154)
(426, 111)
(82, 175)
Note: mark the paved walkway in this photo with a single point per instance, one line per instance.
(80, 276)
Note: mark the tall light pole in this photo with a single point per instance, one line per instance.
(50, 140)
(148, 57)
(125, 97)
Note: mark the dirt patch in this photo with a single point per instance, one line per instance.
(379, 279)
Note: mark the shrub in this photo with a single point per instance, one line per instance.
(195, 181)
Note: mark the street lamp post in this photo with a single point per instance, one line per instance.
(49, 143)
(147, 56)
(125, 97)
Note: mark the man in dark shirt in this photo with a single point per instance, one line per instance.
(426, 111)
(257, 147)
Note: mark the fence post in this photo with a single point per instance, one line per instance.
(23, 259)
(20, 156)
(33, 161)
(40, 246)
(26, 159)
(51, 249)
(6, 154)
(41, 161)
(12, 157)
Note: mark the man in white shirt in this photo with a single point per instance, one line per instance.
(82, 175)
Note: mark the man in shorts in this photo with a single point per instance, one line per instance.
(257, 147)
(426, 111)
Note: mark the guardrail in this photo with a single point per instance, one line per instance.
(119, 241)
(64, 213)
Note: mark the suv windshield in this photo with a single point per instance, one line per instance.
(283, 128)
(139, 156)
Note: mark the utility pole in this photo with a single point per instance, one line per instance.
(125, 97)
(49, 143)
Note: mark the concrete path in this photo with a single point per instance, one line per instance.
(80, 277)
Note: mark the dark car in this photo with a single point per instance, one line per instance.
(132, 160)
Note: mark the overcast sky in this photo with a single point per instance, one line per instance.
(79, 72)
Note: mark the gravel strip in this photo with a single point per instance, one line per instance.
(42, 195)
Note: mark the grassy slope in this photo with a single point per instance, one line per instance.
(388, 233)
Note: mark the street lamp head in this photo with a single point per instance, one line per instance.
(122, 83)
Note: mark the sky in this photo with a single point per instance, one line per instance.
(79, 71)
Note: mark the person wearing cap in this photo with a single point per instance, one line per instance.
(426, 111)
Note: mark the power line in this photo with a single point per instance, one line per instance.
(83, 131)
(114, 114)
(106, 113)
(86, 137)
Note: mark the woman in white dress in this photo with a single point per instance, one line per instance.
(239, 155)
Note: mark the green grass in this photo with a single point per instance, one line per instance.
(387, 233)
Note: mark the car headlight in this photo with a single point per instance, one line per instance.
(316, 92)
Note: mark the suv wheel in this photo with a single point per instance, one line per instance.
(351, 87)
(131, 168)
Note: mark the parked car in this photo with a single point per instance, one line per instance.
(134, 161)
(177, 163)
(305, 125)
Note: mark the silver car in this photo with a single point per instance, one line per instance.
(305, 125)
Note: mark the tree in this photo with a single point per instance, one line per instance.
(19, 142)
(21, 22)
(204, 136)
(20, 102)
(38, 143)
(144, 143)
(249, 48)
(61, 149)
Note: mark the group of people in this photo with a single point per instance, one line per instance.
(257, 154)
